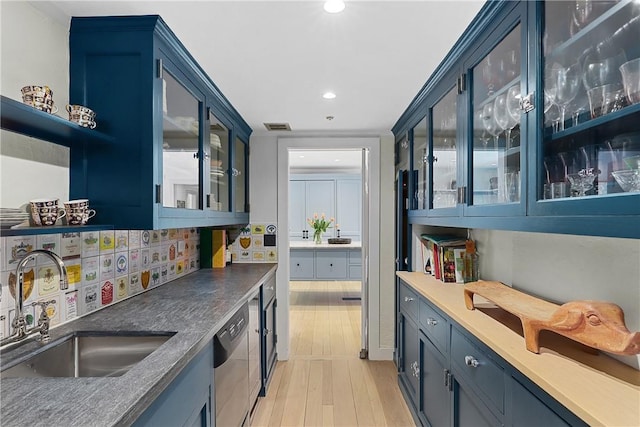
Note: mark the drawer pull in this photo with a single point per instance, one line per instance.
(408, 299)
(431, 321)
(471, 361)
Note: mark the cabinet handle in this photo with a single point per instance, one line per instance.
(431, 321)
(266, 332)
(408, 299)
(298, 265)
(330, 265)
(471, 361)
(257, 331)
(415, 369)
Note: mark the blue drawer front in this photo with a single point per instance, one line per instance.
(479, 370)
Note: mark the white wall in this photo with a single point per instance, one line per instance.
(267, 166)
(33, 50)
(562, 268)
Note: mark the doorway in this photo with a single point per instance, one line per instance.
(326, 292)
(370, 252)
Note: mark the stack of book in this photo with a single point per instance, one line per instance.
(442, 256)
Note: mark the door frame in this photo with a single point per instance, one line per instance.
(372, 144)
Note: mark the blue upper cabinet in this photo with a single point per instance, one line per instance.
(531, 122)
(180, 151)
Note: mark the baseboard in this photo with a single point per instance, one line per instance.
(381, 354)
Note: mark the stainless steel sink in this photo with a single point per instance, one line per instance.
(88, 354)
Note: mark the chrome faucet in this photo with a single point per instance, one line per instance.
(19, 324)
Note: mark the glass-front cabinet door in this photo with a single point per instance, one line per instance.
(588, 159)
(239, 173)
(444, 150)
(218, 195)
(497, 76)
(181, 166)
(420, 165)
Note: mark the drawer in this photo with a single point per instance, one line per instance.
(331, 265)
(434, 326)
(483, 373)
(301, 265)
(408, 301)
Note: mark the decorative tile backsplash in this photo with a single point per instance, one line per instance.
(103, 268)
(256, 243)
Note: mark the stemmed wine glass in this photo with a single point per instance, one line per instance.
(567, 80)
(478, 123)
(489, 122)
(513, 105)
(503, 118)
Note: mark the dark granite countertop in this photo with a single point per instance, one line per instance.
(194, 306)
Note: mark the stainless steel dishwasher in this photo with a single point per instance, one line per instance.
(231, 371)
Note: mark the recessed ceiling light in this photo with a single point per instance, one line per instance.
(336, 160)
(334, 6)
(328, 95)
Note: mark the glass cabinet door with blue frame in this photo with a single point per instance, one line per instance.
(218, 165)
(444, 158)
(589, 156)
(240, 175)
(180, 145)
(420, 165)
(495, 117)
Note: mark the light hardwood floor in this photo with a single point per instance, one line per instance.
(324, 382)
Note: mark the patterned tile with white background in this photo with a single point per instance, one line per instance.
(104, 268)
(256, 243)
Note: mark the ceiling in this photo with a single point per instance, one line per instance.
(274, 59)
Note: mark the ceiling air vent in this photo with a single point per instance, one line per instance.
(277, 126)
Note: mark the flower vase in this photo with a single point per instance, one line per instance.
(317, 237)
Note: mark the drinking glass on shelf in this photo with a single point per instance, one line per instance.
(489, 122)
(503, 118)
(631, 79)
(599, 70)
(583, 175)
(567, 81)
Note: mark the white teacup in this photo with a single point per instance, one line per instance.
(78, 212)
(45, 212)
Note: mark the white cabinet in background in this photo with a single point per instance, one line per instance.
(336, 196)
(305, 199)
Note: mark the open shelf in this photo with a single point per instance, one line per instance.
(26, 120)
(27, 231)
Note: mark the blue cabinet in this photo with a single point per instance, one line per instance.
(514, 130)
(268, 323)
(179, 150)
(449, 377)
(187, 401)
